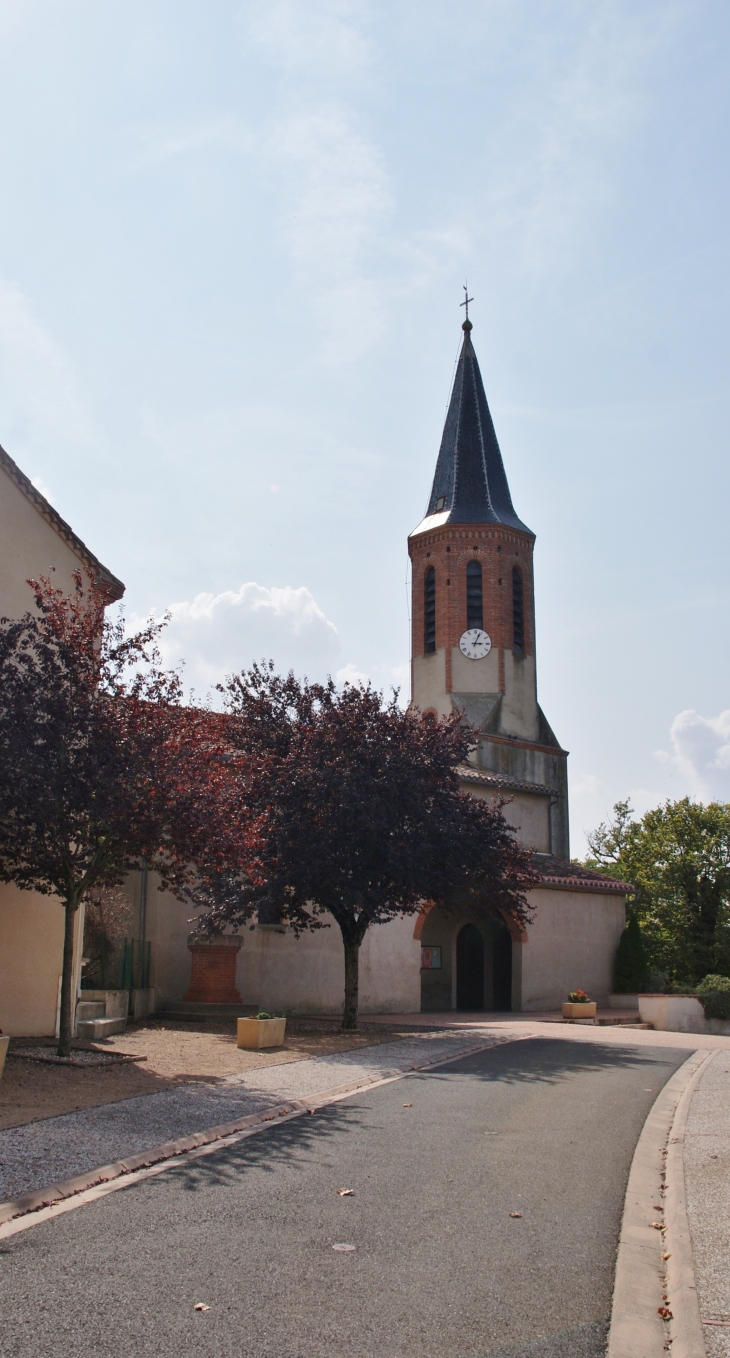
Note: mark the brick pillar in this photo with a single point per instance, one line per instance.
(213, 969)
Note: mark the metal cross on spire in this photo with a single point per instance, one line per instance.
(466, 301)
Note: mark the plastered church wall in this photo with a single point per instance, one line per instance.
(275, 970)
(570, 946)
(306, 975)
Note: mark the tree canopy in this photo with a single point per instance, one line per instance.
(361, 817)
(102, 766)
(678, 858)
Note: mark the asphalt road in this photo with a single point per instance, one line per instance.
(441, 1269)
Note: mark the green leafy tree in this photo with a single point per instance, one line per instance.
(678, 858)
(631, 967)
(608, 844)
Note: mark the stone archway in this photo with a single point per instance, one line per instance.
(443, 979)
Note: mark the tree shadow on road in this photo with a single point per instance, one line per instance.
(531, 1061)
(545, 1060)
(275, 1144)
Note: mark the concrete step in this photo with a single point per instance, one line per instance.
(90, 1009)
(189, 1009)
(618, 1020)
(95, 1029)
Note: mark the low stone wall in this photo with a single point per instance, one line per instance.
(116, 1001)
(673, 1013)
(143, 1003)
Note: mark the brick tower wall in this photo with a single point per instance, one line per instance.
(448, 550)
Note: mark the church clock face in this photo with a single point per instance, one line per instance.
(475, 644)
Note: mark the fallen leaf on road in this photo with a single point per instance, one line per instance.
(668, 1255)
(658, 1225)
(345, 1249)
(515, 1214)
(346, 1192)
(201, 1306)
(311, 1110)
(657, 1207)
(647, 1090)
(664, 1312)
(407, 1105)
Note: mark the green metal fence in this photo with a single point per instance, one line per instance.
(134, 970)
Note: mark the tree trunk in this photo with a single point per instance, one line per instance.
(352, 964)
(66, 1027)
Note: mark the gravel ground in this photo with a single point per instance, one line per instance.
(42, 1153)
(707, 1178)
(173, 1052)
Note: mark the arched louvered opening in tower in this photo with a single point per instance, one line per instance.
(518, 611)
(474, 605)
(429, 611)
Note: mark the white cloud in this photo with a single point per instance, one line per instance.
(702, 753)
(350, 674)
(319, 36)
(219, 634)
(549, 170)
(338, 205)
(163, 141)
(336, 200)
(40, 485)
(42, 402)
(592, 802)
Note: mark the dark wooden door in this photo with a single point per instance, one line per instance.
(469, 968)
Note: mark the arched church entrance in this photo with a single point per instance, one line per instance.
(469, 968)
(467, 964)
(502, 970)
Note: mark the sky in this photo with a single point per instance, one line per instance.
(232, 249)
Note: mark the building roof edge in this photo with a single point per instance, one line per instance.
(112, 587)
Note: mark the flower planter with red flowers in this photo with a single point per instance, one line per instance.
(578, 1006)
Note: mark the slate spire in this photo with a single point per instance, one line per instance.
(470, 484)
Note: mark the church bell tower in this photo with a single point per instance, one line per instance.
(473, 611)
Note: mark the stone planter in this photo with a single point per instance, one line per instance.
(253, 1033)
(213, 969)
(579, 1011)
(3, 1052)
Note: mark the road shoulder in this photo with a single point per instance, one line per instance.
(652, 1228)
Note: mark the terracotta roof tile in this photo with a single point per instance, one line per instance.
(556, 872)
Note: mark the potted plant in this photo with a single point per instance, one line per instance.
(578, 1006)
(263, 1030)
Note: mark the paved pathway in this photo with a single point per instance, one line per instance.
(42, 1153)
(544, 1128)
(707, 1181)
